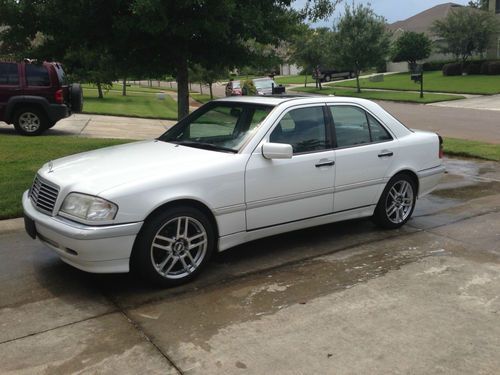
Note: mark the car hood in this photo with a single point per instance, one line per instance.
(99, 170)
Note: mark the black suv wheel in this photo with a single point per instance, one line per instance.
(30, 121)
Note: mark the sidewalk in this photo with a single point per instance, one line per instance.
(99, 126)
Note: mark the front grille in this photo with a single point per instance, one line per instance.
(43, 195)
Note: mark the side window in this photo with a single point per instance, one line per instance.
(37, 75)
(351, 126)
(303, 128)
(354, 126)
(378, 132)
(9, 74)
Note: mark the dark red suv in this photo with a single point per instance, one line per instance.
(33, 97)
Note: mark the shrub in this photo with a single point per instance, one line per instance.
(434, 65)
(494, 67)
(453, 69)
(249, 88)
(484, 67)
(474, 67)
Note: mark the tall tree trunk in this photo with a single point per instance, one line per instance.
(124, 88)
(357, 81)
(99, 90)
(201, 88)
(305, 80)
(211, 92)
(182, 88)
(190, 86)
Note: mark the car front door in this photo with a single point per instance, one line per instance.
(365, 151)
(284, 190)
(9, 85)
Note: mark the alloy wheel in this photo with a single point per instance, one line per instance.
(29, 122)
(399, 202)
(179, 247)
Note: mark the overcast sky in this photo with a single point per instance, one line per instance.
(392, 10)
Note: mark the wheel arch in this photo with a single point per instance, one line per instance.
(17, 103)
(190, 202)
(413, 175)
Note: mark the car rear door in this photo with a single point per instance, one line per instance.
(365, 151)
(9, 85)
(284, 190)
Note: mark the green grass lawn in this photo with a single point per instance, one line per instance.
(475, 149)
(434, 81)
(135, 104)
(23, 156)
(132, 88)
(202, 98)
(293, 80)
(397, 96)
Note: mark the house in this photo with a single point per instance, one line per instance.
(422, 23)
(494, 51)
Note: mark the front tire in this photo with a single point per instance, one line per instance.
(30, 121)
(397, 202)
(174, 246)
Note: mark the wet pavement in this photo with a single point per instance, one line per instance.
(342, 298)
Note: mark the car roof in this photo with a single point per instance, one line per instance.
(294, 99)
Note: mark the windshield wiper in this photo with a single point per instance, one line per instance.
(205, 146)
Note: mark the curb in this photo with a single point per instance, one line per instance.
(11, 225)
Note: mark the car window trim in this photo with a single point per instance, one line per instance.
(368, 123)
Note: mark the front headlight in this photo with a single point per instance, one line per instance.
(88, 207)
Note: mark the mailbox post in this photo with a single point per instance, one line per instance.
(417, 75)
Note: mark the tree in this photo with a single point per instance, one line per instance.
(166, 37)
(465, 32)
(411, 47)
(208, 76)
(312, 47)
(361, 39)
(479, 4)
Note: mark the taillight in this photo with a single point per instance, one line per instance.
(441, 150)
(59, 96)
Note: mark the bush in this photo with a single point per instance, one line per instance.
(494, 67)
(435, 65)
(484, 67)
(249, 88)
(453, 69)
(474, 67)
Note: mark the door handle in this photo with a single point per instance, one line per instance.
(325, 163)
(385, 154)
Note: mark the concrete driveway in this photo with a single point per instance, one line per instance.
(346, 298)
(486, 102)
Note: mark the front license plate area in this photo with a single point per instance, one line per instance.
(29, 225)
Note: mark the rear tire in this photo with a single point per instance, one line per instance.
(327, 78)
(174, 246)
(397, 202)
(30, 121)
(76, 97)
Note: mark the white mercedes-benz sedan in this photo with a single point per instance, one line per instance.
(235, 170)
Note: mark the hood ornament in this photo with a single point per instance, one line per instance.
(51, 167)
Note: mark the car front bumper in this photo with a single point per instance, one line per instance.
(98, 249)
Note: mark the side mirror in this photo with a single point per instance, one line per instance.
(277, 151)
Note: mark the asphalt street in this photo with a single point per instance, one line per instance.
(346, 298)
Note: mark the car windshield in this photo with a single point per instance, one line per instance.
(218, 126)
(264, 83)
(236, 84)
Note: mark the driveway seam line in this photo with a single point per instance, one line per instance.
(61, 326)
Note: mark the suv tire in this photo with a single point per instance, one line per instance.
(30, 121)
(76, 97)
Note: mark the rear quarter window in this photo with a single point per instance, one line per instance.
(37, 75)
